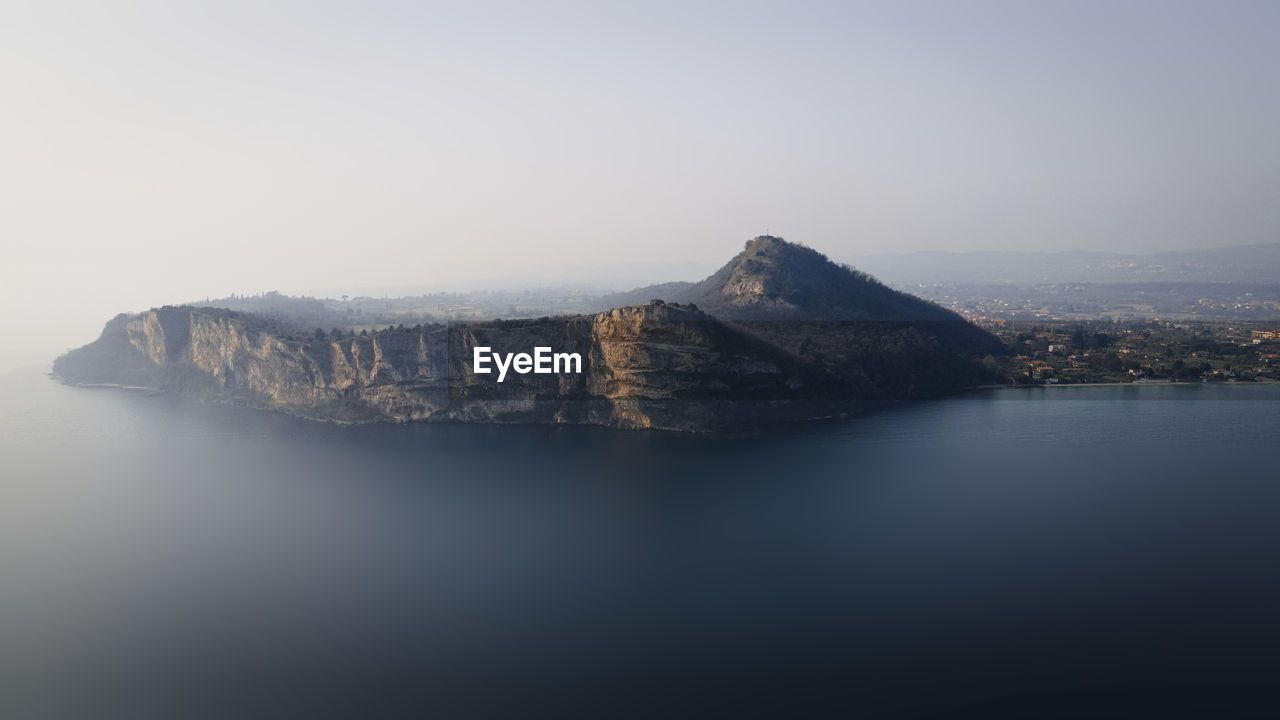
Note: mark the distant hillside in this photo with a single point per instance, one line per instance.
(1244, 263)
(667, 291)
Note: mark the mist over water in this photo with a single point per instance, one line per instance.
(1047, 552)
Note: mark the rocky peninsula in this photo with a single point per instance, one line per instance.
(779, 334)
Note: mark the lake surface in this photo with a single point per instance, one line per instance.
(1057, 552)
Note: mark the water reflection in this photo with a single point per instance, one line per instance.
(1003, 551)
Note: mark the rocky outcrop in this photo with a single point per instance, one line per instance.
(651, 366)
(788, 335)
(891, 345)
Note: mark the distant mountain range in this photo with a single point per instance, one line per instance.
(1243, 263)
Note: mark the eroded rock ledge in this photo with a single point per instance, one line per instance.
(648, 366)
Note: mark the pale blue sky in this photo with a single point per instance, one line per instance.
(154, 152)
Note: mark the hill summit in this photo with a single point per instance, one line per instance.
(879, 342)
(775, 279)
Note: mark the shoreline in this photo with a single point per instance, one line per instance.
(1252, 383)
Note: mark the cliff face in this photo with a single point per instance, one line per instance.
(658, 365)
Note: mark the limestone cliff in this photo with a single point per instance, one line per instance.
(650, 366)
(788, 335)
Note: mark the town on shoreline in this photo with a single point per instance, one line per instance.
(1110, 352)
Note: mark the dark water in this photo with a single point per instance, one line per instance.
(1080, 552)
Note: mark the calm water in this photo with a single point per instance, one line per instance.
(1061, 552)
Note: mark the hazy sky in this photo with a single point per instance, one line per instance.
(157, 152)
